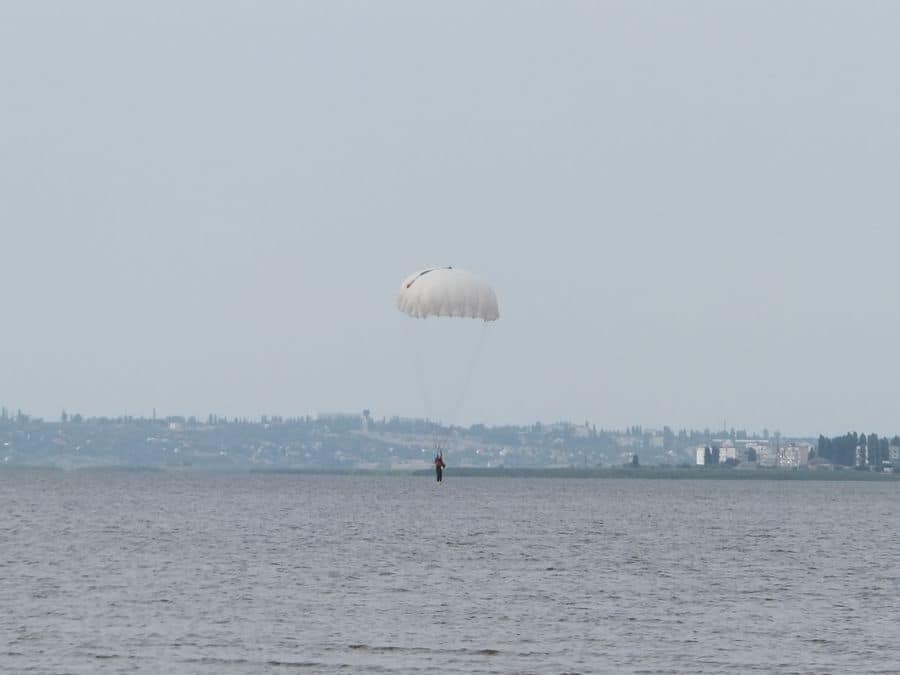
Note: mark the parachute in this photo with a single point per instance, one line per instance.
(446, 347)
(445, 291)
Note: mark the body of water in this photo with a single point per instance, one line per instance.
(104, 571)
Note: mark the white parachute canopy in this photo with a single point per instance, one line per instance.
(450, 292)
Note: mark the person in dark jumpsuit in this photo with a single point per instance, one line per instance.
(439, 466)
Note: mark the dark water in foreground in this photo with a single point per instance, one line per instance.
(205, 573)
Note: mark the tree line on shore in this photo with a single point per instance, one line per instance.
(855, 449)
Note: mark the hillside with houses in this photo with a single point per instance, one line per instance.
(344, 441)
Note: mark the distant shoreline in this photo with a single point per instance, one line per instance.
(664, 473)
(646, 473)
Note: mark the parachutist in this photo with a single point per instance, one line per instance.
(439, 466)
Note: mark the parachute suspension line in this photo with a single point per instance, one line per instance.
(473, 361)
(418, 362)
(441, 442)
(420, 371)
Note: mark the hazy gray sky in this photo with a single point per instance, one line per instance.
(689, 211)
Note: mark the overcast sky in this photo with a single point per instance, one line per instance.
(689, 211)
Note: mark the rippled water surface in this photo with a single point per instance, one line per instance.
(206, 573)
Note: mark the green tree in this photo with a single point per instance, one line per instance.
(824, 448)
(874, 448)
